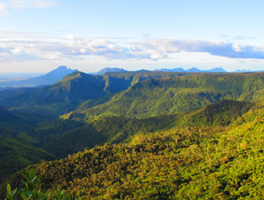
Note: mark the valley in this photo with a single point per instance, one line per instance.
(137, 135)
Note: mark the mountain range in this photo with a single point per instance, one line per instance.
(62, 71)
(109, 70)
(214, 70)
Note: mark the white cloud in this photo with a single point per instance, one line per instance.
(16, 51)
(69, 37)
(83, 50)
(20, 45)
(236, 48)
(2, 7)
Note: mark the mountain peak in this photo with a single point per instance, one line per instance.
(61, 69)
(47, 79)
(216, 69)
(194, 69)
(109, 69)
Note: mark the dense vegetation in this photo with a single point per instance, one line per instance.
(179, 163)
(161, 136)
(114, 130)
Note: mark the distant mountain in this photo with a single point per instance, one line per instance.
(170, 70)
(217, 69)
(194, 69)
(243, 70)
(142, 71)
(109, 69)
(47, 79)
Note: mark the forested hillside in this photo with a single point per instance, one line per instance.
(177, 94)
(179, 163)
(114, 130)
(141, 135)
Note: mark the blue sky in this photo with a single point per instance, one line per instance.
(39, 35)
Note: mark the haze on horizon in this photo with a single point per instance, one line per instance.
(37, 36)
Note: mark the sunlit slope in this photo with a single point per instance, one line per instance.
(178, 94)
(113, 129)
(179, 163)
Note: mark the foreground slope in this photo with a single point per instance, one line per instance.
(179, 163)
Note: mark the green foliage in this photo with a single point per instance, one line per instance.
(178, 163)
(11, 194)
(114, 130)
(29, 190)
(63, 137)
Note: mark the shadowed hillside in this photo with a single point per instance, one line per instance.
(15, 156)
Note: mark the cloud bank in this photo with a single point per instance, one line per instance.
(38, 48)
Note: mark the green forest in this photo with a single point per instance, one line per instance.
(140, 135)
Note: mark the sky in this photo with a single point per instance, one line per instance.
(37, 36)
